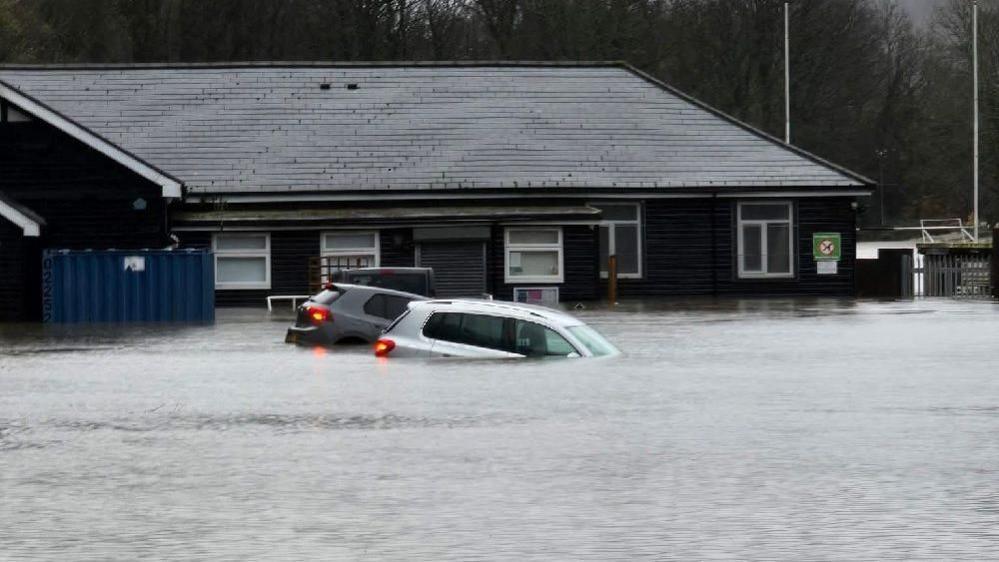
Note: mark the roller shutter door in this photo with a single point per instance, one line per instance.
(459, 267)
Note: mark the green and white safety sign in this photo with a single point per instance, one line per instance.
(826, 246)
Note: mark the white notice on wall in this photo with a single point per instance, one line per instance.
(135, 263)
(826, 267)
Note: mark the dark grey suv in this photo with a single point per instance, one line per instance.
(344, 313)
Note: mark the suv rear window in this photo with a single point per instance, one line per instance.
(386, 306)
(326, 297)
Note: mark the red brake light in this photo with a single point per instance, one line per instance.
(317, 314)
(383, 347)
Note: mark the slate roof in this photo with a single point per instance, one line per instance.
(404, 127)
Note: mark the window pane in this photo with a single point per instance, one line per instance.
(376, 306)
(618, 212)
(241, 270)
(349, 261)
(626, 247)
(593, 341)
(557, 344)
(752, 251)
(395, 306)
(778, 251)
(240, 242)
(482, 331)
(349, 240)
(538, 263)
(444, 326)
(432, 329)
(604, 247)
(534, 236)
(534, 340)
(764, 212)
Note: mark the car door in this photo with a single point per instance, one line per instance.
(458, 334)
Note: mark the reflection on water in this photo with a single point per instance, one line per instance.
(805, 429)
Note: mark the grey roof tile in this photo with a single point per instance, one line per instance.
(253, 128)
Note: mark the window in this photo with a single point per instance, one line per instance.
(534, 255)
(347, 249)
(242, 260)
(386, 306)
(494, 332)
(765, 240)
(535, 340)
(479, 330)
(621, 235)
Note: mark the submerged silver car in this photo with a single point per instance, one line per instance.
(489, 329)
(344, 313)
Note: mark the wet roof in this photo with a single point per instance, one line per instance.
(406, 127)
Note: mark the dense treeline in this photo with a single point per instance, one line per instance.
(869, 90)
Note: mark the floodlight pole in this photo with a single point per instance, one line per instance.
(974, 64)
(787, 77)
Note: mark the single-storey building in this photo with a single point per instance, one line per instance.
(497, 175)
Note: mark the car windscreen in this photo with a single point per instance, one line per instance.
(593, 341)
(326, 297)
(415, 282)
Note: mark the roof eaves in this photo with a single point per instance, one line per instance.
(862, 180)
(310, 64)
(31, 223)
(171, 186)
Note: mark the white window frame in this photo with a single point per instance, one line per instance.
(764, 274)
(376, 250)
(612, 237)
(248, 253)
(509, 248)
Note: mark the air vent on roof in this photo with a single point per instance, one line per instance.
(324, 86)
(351, 86)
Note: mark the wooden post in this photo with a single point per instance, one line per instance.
(612, 280)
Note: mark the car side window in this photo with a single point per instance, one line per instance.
(386, 306)
(535, 340)
(482, 331)
(394, 306)
(479, 330)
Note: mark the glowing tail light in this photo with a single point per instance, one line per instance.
(318, 315)
(383, 347)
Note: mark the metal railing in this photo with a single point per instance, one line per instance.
(928, 226)
(958, 276)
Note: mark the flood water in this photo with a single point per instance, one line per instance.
(731, 429)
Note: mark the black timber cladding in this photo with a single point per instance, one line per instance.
(690, 245)
(688, 249)
(87, 201)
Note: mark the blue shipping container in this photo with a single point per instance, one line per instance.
(128, 286)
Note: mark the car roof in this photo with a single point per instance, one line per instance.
(392, 269)
(343, 287)
(506, 308)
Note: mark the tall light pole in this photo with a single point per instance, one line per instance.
(974, 65)
(787, 77)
